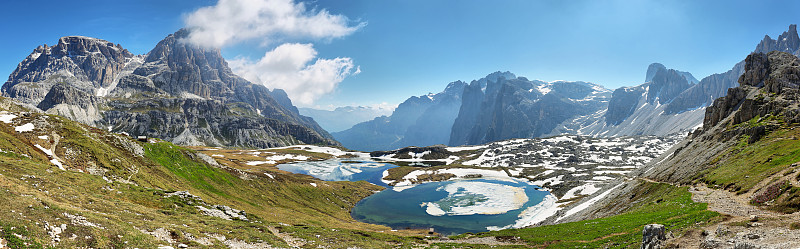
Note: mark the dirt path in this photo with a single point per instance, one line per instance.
(738, 228)
(291, 241)
(491, 241)
(729, 203)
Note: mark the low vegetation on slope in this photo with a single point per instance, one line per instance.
(115, 192)
(767, 168)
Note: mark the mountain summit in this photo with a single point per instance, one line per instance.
(178, 92)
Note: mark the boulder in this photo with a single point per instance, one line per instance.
(653, 236)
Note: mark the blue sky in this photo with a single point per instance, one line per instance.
(412, 47)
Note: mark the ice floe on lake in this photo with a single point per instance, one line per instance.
(535, 214)
(473, 197)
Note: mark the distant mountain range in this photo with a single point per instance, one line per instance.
(178, 92)
(425, 119)
(502, 106)
(344, 117)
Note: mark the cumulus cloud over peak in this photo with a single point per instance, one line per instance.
(289, 67)
(293, 67)
(234, 21)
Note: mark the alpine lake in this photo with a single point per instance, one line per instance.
(449, 207)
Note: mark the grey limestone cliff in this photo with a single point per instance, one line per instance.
(178, 92)
(522, 108)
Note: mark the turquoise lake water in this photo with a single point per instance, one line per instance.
(404, 209)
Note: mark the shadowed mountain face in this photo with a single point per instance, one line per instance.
(418, 121)
(521, 108)
(178, 92)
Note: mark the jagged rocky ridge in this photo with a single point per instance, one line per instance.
(496, 107)
(178, 92)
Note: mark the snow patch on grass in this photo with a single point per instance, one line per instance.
(588, 203)
(57, 163)
(463, 148)
(24, 128)
(254, 163)
(6, 118)
(46, 151)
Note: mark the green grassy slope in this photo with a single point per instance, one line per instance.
(122, 195)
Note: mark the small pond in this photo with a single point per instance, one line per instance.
(449, 207)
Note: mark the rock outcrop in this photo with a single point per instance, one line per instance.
(653, 236)
(178, 92)
(653, 68)
(775, 74)
(787, 42)
(662, 87)
(704, 93)
(85, 63)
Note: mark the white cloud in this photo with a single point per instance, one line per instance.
(234, 21)
(382, 108)
(289, 67)
(292, 67)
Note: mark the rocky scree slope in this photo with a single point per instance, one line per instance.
(178, 91)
